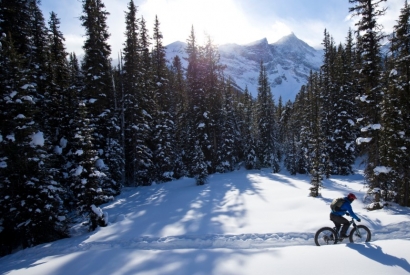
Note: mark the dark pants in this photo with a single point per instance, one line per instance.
(339, 221)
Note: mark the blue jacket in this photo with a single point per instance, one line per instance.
(346, 207)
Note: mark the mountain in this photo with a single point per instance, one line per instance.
(288, 63)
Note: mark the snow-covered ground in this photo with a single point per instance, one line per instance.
(239, 223)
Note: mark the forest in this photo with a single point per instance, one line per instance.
(74, 132)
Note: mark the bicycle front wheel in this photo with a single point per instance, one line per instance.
(360, 234)
(325, 236)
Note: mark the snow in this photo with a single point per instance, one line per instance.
(363, 98)
(20, 116)
(393, 73)
(381, 170)
(239, 223)
(11, 137)
(63, 143)
(58, 150)
(78, 171)
(361, 140)
(37, 139)
(100, 164)
(79, 152)
(12, 94)
(97, 210)
(28, 98)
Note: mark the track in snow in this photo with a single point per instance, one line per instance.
(242, 241)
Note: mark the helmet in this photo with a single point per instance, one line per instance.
(351, 197)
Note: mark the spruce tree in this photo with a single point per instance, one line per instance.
(99, 96)
(266, 148)
(178, 86)
(164, 130)
(248, 131)
(212, 91)
(146, 103)
(396, 113)
(315, 136)
(368, 44)
(31, 204)
(227, 155)
(197, 113)
(130, 106)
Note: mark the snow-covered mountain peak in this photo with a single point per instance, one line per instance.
(288, 39)
(263, 41)
(288, 63)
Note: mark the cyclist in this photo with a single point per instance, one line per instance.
(345, 209)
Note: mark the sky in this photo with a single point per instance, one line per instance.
(225, 21)
(247, 222)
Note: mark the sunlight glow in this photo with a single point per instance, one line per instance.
(223, 20)
(280, 29)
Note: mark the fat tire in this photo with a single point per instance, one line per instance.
(362, 228)
(321, 233)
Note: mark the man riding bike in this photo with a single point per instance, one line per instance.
(345, 209)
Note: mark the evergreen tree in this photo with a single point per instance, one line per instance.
(84, 175)
(343, 139)
(290, 125)
(132, 115)
(248, 131)
(315, 136)
(267, 151)
(164, 131)
(177, 85)
(99, 95)
(31, 194)
(145, 123)
(229, 134)
(327, 100)
(68, 126)
(395, 111)
(197, 113)
(212, 91)
(368, 44)
(56, 100)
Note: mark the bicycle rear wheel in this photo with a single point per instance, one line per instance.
(325, 236)
(360, 234)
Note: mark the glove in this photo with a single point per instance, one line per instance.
(347, 214)
(359, 220)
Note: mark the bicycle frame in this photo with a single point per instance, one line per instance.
(350, 223)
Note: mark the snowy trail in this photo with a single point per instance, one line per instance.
(241, 241)
(210, 241)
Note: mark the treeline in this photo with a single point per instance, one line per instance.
(74, 132)
(358, 105)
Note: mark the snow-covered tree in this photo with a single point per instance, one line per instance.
(98, 94)
(368, 46)
(267, 130)
(395, 113)
(164, 129)
(31, 203)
